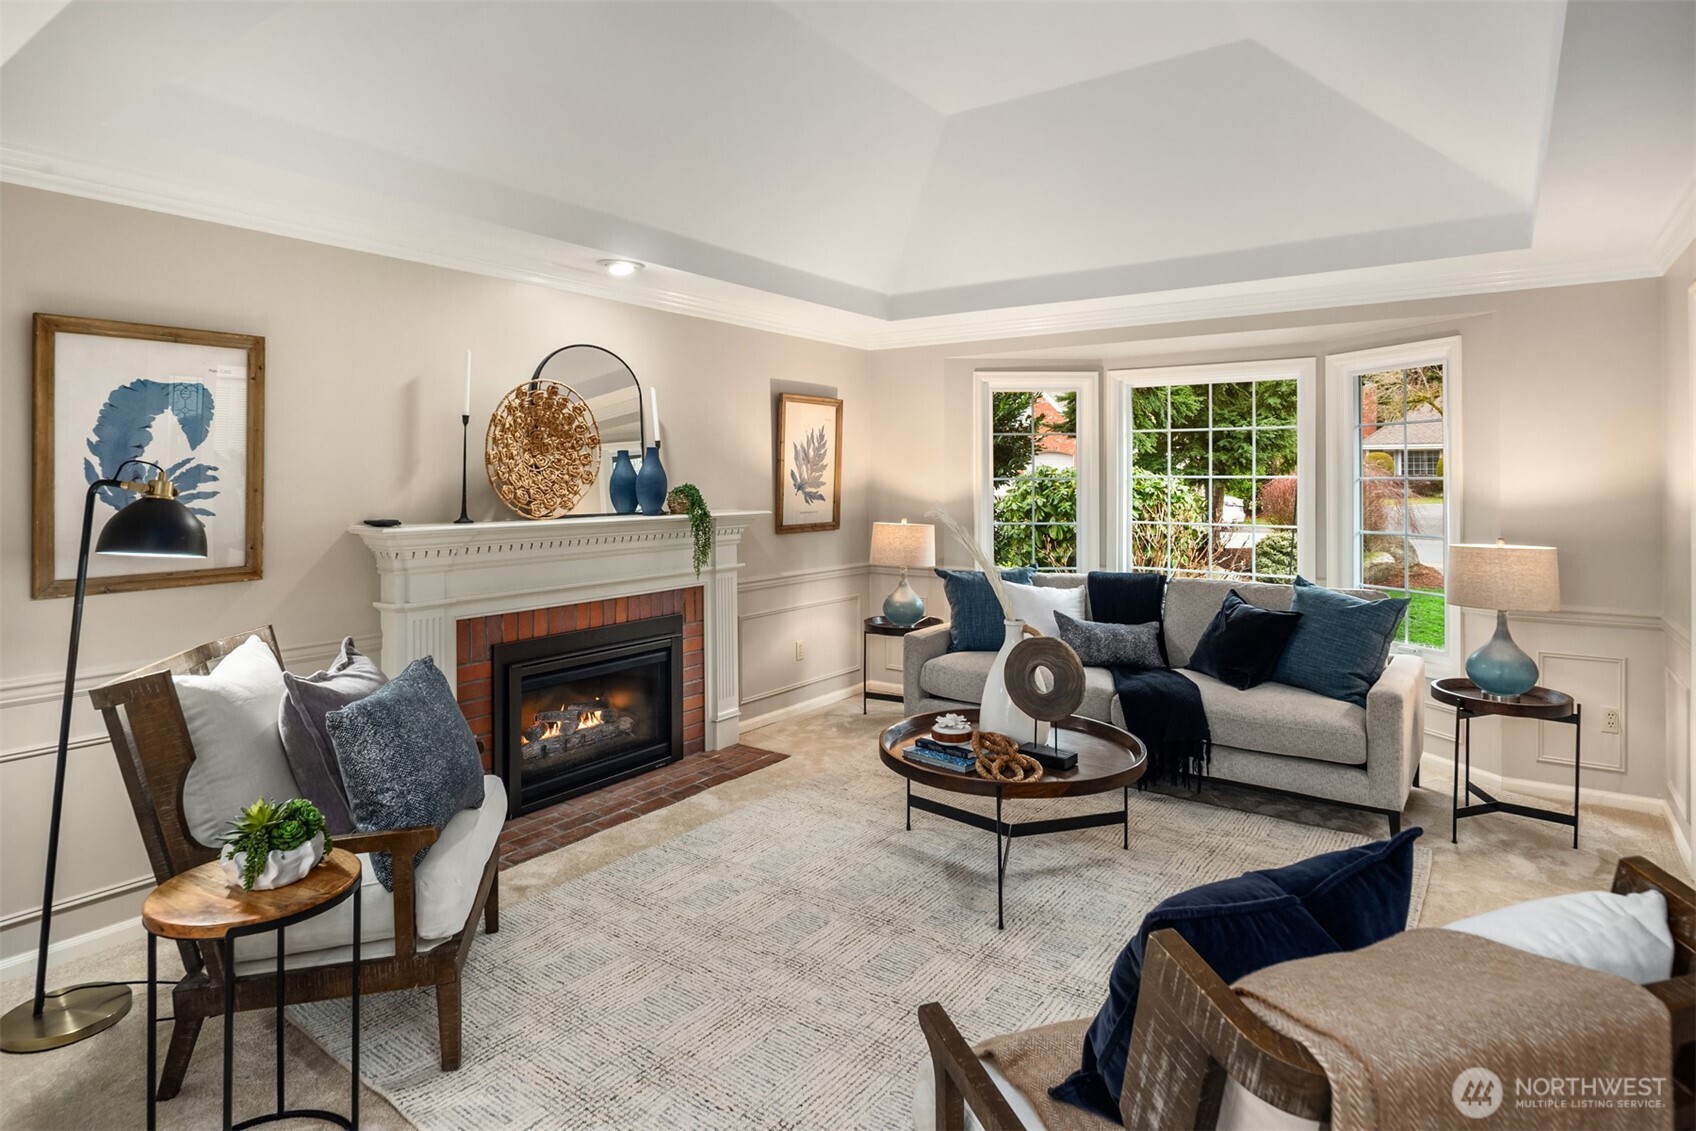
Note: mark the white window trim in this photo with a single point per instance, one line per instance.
(1341, 371)
(1304, 370)
(1082, 382)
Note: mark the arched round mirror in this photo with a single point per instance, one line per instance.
(611, 390)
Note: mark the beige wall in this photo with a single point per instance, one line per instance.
(1562, 434)
(1678, 360)
(363, 386)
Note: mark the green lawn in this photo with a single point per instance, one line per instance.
(1426, 617)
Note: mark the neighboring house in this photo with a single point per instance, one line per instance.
(1053, 451)
(1418, 452)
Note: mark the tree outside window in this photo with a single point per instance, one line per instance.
(1034, 443)
(1213, 478)
(1401, 520)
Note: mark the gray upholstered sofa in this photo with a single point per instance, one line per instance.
(1271, 737)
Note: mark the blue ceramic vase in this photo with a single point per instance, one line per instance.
(650, 482)
(621, 485)
(1500, 669)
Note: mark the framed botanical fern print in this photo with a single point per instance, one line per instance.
(809, 463)
(191, 401)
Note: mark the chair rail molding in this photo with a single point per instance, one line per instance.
(432, 575)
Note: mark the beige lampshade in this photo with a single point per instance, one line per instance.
(1521, 579)
(910, 545)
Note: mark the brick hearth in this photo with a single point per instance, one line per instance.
(577, 818)
(476, 635)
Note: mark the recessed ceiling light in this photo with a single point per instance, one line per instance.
(619, 268)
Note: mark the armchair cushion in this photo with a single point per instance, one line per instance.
(1238, 926)
(1359, 895)
(306, 738)
(1625, 935)
(407, 757)
(444, 886)
(231, 714)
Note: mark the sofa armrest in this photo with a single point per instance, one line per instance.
(1395, 730)
(402, 845)
(918, 649)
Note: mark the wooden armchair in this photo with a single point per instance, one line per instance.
(151, 739)
(1193, 1033)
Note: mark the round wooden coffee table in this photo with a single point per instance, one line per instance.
(1108, 759)
(202, 904)
(1469, 703)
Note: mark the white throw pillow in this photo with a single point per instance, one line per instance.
(1625, 935)
(238, 752)
(1037, 604)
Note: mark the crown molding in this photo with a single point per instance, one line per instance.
(1679, 230)
(742, 306)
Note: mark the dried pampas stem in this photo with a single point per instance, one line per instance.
(990, 573)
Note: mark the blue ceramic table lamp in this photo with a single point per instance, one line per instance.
(1523, 579)
(908, 546)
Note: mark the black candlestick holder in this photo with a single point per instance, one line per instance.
(464, 459)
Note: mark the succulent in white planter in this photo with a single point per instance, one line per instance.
(270, 845)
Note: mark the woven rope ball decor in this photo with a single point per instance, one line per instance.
(1065, 678)
(543, 449)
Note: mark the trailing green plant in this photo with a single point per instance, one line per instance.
(685, 498)
(265, 827)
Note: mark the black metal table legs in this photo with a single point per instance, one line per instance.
(1460, 802)
(349, 1121)
(1005, 831)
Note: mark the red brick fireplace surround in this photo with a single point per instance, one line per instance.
(476, 635)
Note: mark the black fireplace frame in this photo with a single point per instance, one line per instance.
(510, 663)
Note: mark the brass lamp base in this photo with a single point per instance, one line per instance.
(67, 1016)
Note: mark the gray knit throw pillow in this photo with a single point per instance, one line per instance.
(1102, 645)
(407, 757)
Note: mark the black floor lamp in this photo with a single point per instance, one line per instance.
(155, 525)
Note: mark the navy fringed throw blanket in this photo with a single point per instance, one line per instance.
(1161, 707)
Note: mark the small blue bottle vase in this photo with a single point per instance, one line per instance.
(621, 485)
(650, 482)
(1500, 669)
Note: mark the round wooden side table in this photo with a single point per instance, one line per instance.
(202, 904)
(1108, 759)
(1538, 703)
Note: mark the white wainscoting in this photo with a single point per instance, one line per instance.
(1604, 659)
(103, 868)
(821, 609)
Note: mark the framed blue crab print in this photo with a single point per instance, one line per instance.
(809, 463)
(190, 401)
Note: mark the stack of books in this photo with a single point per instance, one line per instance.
(937, 755)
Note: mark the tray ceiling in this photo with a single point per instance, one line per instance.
(896, 161)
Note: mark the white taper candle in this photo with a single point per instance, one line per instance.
(654, 400)
(467, 411)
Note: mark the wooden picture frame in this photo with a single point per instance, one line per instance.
(190, 400)
(807, 473)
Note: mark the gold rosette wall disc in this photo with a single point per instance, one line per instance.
(543, 449)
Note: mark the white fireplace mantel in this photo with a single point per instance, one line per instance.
(435, 574)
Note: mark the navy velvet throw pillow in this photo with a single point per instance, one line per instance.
(975, 619)
(1333, 902)
(1342, 643)
(1242, 643)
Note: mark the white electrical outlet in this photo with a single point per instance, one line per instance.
(800, 651)
(1610, 720)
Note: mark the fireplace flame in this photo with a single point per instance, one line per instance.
(589, 719)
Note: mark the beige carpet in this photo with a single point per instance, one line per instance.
(763, 969)
(98, 1084)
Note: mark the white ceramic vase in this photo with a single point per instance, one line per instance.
(281, 868)
(998, 714)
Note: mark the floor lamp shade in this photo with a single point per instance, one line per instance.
(155, 525)
(905, 545)
(1505, 579)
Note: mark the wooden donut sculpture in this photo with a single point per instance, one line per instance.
(1066, 671)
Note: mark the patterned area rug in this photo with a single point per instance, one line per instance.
(764, 969)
